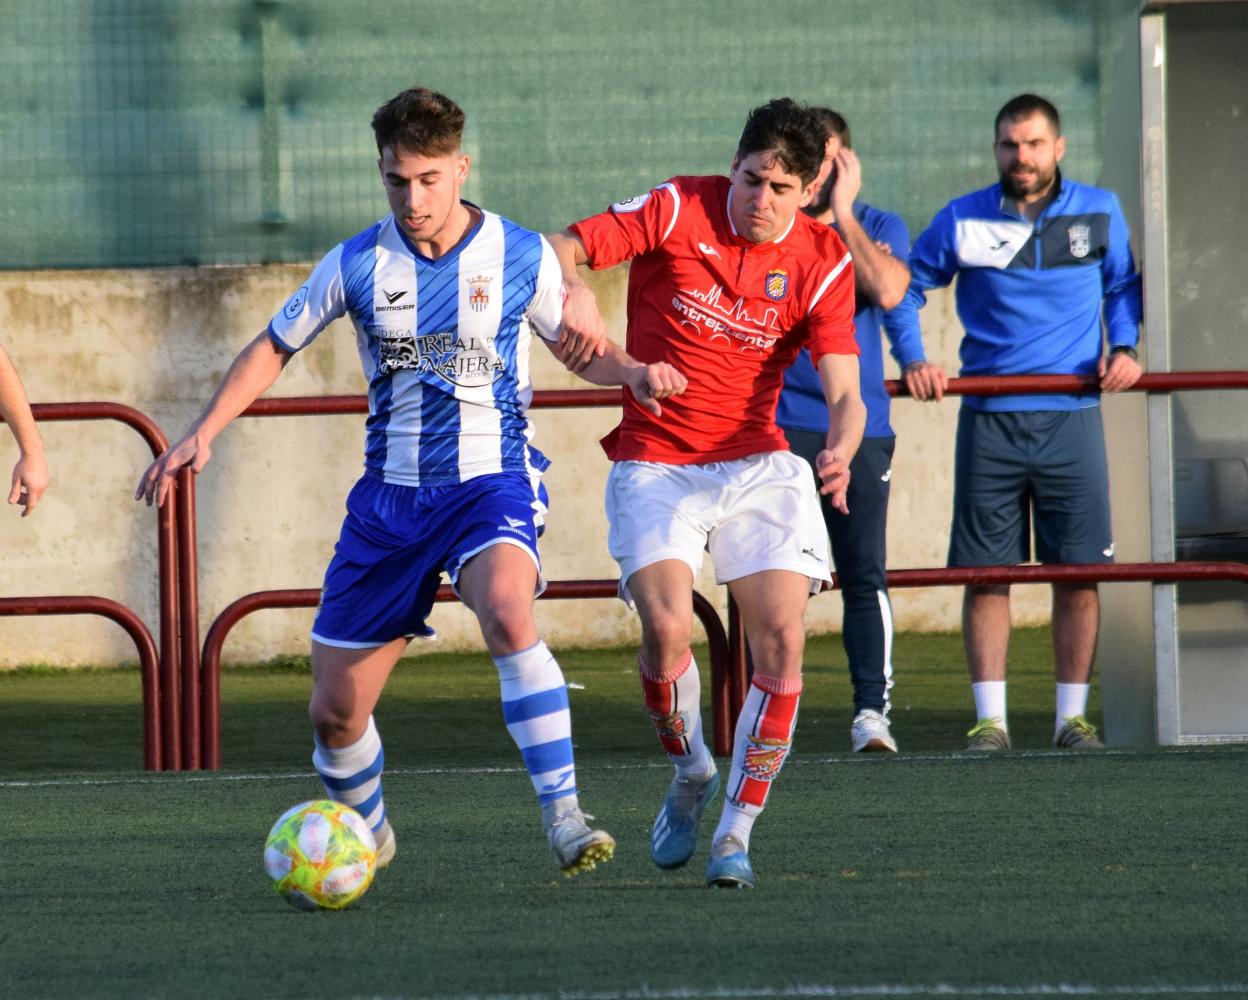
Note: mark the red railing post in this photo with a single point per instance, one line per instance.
(210, 662)
(168, 583)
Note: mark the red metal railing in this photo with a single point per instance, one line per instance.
(210, 693)
(206, 665)
(161, 718)
(731, 691)
(153, 751)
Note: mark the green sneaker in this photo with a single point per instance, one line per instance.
(988, 735)
(1077, 734)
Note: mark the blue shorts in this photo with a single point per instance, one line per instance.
(1015, 466)
(397, 541)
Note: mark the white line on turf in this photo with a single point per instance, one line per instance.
(880, 990)
(855, 760)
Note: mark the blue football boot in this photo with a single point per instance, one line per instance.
(675, 834)
(729, 867)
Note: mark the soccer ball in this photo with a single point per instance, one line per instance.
(321, 855)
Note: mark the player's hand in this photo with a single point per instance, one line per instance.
(583, 334)
(833, 469)
(1119, 372)
(30, 480)
(848, 182)
(650, 383)
(158, 480)
(925, 381)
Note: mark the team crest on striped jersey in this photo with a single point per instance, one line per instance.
(777, 284)
(764, 757)
(479, 292)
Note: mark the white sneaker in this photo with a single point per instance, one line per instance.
(576, 846)
(385, 845)
(870, 733)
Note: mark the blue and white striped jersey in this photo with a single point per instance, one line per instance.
(444, 344)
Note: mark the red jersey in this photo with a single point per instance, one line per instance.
(729, 314)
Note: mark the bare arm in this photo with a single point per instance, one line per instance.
(255, 369)
(648, 383)
(30, 474)
(583, 335)
(847, 419)
(879, 277)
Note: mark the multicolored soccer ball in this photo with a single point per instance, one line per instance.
(321, 855)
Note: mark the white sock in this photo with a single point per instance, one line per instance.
(352, 774)
(535, 709)
(1072, 700)
(990, 701)
(736, 821)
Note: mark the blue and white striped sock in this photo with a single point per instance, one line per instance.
(352, 774)
(535, 709)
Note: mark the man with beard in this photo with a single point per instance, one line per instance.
(1046, 285)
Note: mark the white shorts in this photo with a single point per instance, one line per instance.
(752, 514)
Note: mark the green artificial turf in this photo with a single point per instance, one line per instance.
(928, 873)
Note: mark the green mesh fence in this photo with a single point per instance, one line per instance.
(167, 132)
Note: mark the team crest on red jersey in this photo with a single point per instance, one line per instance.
(479, 292)
(777, 285)
(764, 758)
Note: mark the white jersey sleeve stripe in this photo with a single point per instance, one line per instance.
(827, 282)
(671, 188)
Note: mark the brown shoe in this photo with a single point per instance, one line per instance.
(988, 735)
(1077, 734)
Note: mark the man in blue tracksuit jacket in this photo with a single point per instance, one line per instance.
(1046, 285)
(880, 245)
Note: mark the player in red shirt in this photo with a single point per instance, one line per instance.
(728, 281)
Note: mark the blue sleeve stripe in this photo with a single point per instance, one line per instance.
(278, 340)
(534, 706)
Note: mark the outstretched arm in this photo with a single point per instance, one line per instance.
(847, 419)
(255, 369)
(30, 474)
(647, 383)
(583, 335)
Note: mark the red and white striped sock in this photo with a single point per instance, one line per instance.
(761, 744)
(674, 701)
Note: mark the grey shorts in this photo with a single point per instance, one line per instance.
(1016, 467)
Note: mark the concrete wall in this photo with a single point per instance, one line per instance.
(271, 501)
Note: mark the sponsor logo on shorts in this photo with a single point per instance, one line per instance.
(517, 526)
(764, 758)
(813, 555)
(777, 285)
(1109, 552)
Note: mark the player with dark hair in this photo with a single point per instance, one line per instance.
(880, 246)
(30, 474)
(445, 298)
(728, 281)
(1046, 285)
